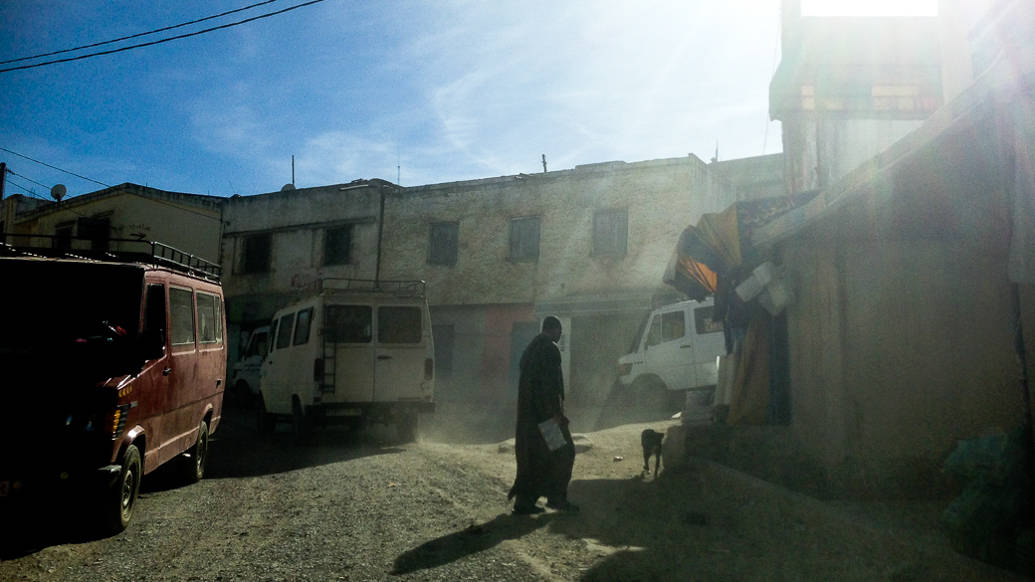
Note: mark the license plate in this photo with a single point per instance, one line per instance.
(5, 488)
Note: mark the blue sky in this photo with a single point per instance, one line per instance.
(449, 90)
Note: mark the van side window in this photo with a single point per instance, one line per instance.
(348, 324)
(181, 310)
(284, 333)
(154, 320)
(398, 325)
(703, 321)
(257, 345)
(673, 326)
(209, 321)
(273, 335)
(654, 335)
(302, 326)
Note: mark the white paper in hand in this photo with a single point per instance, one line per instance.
(552, 434)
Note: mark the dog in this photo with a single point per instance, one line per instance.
(651, 441)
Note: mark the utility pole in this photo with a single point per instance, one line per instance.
(544, 163)
(3, 178)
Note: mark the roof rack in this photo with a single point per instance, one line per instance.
(151, 252)
(402, 288)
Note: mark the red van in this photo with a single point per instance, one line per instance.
(111, 365)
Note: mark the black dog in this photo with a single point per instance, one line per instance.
(651, 441)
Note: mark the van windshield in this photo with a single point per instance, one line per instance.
(58, 307)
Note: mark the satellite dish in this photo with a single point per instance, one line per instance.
(287, 187)
(58, 192)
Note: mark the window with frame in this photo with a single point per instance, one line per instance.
(181, 311)
(302, 325)
(398, 325)
(348, 324)
(96, 229)
(337, 245)
(666, 327)
(63, 235)
(524, 238)
(442, 243)
(610, 232)
(210, 321)
(255, 253)
(284, 331)
(703, 321)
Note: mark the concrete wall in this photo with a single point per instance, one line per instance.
(297, 221)
(902, 329)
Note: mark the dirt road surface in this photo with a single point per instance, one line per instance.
(356, 506)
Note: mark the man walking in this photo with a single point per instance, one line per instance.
(541, 471)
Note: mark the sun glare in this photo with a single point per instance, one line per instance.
(869, 7)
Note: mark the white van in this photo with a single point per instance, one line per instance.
(244, 375)
(677, 352)
(357, 351)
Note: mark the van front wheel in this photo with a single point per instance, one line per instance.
(121, 497)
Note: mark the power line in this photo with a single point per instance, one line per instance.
(86, 46)
(54, 167)
(28, 178)
(160, 41)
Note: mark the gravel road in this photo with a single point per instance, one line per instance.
(356, 506)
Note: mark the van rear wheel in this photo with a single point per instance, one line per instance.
(300, 425)
(195, 458)
(406, 427)
(265, 422)
(121, 497)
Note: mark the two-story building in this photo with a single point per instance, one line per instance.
(589, 245)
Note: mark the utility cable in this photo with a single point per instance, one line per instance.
(160, 41)
(28, 178)
(54, 167)
(86, 46)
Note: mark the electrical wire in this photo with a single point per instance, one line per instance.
(9, 171)
(160, 41)
(86, 46)
(54, 167)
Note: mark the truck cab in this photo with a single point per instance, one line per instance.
(677, 352)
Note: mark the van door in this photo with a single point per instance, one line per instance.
(668, 349)
(709, 343)
(182, 372)
(400, 352)
(350, 330)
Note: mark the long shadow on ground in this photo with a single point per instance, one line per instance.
(466, 542)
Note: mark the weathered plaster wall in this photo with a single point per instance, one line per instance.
(661, 198)
(898, 349)
(298, 220)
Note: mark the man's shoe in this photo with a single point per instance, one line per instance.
(528, 510)
(566, 506)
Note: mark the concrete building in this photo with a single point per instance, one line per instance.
(588, 245)
(278, 245)
(188, 222)
(914, 274)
